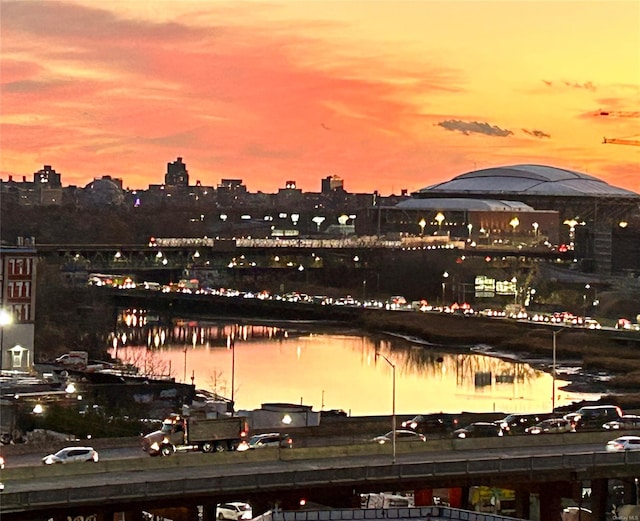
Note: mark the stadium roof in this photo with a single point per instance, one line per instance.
(533, 180)
(460, 204)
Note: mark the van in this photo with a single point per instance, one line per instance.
(74, 358)
(593, 416)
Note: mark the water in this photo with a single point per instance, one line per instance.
(330, 369)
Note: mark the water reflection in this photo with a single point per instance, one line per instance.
(333, 370)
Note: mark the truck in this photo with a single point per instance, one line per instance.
(187, 433)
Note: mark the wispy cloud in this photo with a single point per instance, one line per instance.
(536, 133)
(474, 127)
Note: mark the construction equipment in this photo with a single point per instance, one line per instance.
(619, 113)
(621, 141)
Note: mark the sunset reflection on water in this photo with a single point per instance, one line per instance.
(336, 370)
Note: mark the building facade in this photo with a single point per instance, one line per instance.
(17, 306)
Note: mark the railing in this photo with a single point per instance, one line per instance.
(422, 513)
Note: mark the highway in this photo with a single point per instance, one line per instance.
(124, 476)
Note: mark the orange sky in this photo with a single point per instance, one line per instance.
(388, 95)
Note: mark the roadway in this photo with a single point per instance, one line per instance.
(124, 477)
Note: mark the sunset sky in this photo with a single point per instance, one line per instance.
(388, 95)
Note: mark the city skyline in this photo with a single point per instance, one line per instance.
(386, 95)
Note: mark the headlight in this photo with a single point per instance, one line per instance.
(154, 446)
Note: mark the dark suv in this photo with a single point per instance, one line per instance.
(517, 423)
(478, 430)
(593, 416)
(431, 423)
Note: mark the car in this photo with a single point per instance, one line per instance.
(591, 323)
(1, 462)
(628, 421)
(518, 423)
(551, 426)
(72, 455)
(234, 510)
(479, 430)
(425, 423)
(402, 435)
(271, 439)
(593, 416)
(623, 443)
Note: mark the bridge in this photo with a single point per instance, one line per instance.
(547, 468)
(163, 255)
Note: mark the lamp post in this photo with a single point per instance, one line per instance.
(439, 218)
(231, 344)
(445, 275)
(393, 406)
(587, 287)
(422, 223)
(553, 374)
(5, 319)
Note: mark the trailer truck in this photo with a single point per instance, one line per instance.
(185, 433)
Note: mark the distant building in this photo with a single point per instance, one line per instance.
(332, 183)
(17, 305)
(45, 189)
(47, 176)
(177, 174)
(103, 191)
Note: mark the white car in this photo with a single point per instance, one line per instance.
(234, 510)
(71, 455)
(623, 443)
(401, 436)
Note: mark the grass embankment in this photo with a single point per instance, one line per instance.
(594, 351)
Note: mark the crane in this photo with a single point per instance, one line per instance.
(621, 141)
(619, 113)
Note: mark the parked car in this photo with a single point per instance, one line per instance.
(402, 435)
(71, 455)
(628, 421)
(271, 439)
(518, 423)
(593, 416)
(623, 443)
(234, 510)
(551, 426)
(426, 423)
(478, 430)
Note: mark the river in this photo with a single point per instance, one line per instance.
(329, 368)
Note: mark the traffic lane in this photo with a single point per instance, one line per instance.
(134, 450)
(249, 468)
(35, 458)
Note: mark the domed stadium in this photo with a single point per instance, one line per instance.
(528, 181)
(599, 221)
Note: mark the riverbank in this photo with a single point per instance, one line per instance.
(600, 363)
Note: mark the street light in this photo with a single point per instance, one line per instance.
(587, 287)
(231, 344)
(5, 319)
(422, 223)
(439, 218)
(553, 379)
(393, 406)
(444, 284)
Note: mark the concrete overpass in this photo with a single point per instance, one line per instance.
(550, 467)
